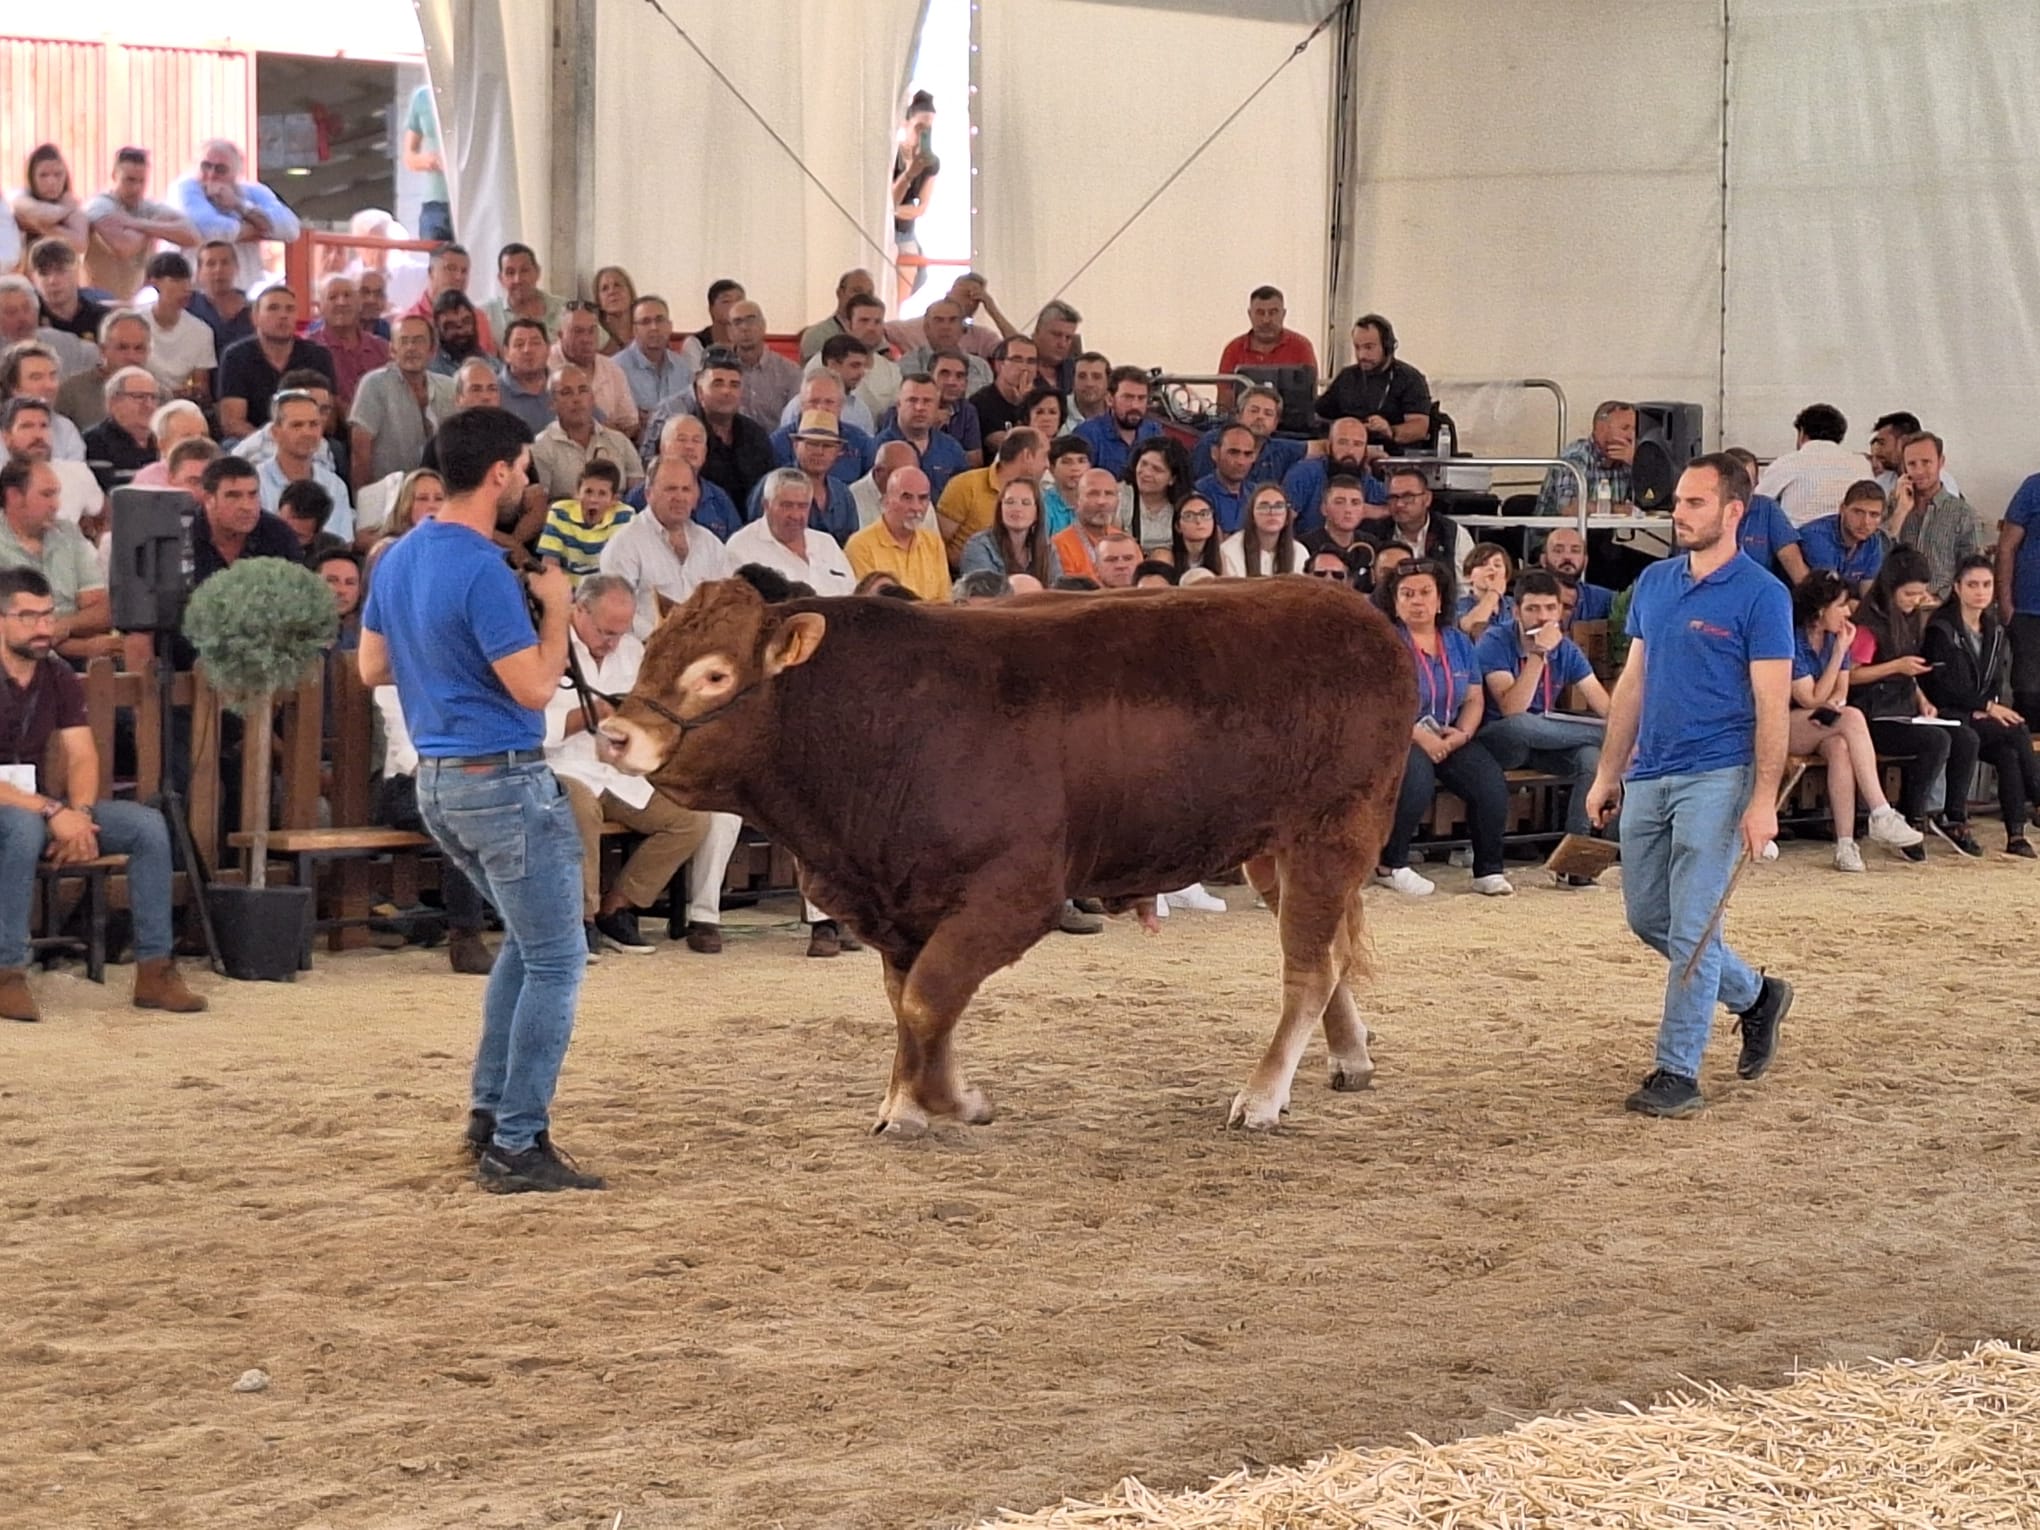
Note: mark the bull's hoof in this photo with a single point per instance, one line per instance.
(1350, 1077)
(1255, 1113)
(974, 1108)
(901, 1127)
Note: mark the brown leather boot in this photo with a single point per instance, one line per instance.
(467, 954)
(158, 985)
(16, 1002)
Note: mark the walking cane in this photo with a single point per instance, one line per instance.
(1721, 906)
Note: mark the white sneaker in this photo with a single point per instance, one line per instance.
(1847, 856)
(1888, 827)
(1406, 882)
(1460, 859)
(1162, 906)
(1195, 897)
(1495, 886)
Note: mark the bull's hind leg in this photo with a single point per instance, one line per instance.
(929, 998)
(1315, 890)
(1262, 876)
(1345, 1031)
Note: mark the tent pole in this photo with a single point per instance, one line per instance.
(571, 235)
(1343, 163)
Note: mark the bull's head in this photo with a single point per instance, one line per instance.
(706, 666)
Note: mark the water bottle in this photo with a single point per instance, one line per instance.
(1446, 444)
(1604, 495)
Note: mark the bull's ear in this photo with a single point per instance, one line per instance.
(667, 605)
(795, 641)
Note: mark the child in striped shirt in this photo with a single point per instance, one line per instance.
(577, 529)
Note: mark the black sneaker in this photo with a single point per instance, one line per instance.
(2019, 847)
(619, 932)
(481, 1130)
(1958, 835)
(1662, 1094)
(1759, 1026)
(541, 1166)
(594, 942)
(1914, 853)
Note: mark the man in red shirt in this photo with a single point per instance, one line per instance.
(1266, 343)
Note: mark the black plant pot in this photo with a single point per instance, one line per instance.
(264, 932)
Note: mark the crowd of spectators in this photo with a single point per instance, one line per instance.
(960, 456)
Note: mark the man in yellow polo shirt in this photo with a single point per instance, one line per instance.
(898, 544)
(970, 503)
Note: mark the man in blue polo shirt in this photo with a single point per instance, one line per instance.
(1852, 542)
(1527, 665)
(1702, 704)
(1766, 534)
(447, 625)
(1345, 457)
(914, 423)
(1113, 435)
(1260, 410)
(2018, 586)
(1564, 557)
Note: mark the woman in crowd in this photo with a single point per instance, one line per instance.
(1042, 410)
(46, 207)
(1194, 542)
(1019, 543)
(1824, 723)
(419, 497)
(1971, 659)
(179, 420)
(1484, 599)
(1266, 541)
(1443, 749)
(615, 296)
(1156, 480)
(1885, 687)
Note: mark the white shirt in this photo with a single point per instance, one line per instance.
(185, 347)
(270, 477)
(573, 757)
(865, 493)
(400, 755)
(643, 553)
(1888, 481)
(881, 385)
(825, 569)
(1810, 482)
(1232, 556)
(259, 446)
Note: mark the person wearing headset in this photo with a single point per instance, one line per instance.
(1389, 396)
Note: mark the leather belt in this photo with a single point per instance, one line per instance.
(501, 760)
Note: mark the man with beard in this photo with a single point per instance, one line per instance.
(1695, 751)
(448, 273)
(1564, 557)
(448, 626)
(1390, 397)
(739, 448)
(41, 698)
(1260, 410)
(457, 324)
(1113, 435)
(1412, 521)
(1345, 457)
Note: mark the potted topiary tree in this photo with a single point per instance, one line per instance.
(258, 626)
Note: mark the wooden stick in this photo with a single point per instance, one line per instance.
(1721, 905)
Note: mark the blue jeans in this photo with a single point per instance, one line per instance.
(125, 828)
(1680, 841)
(1557, 745)
(435, 220)
(510, 829)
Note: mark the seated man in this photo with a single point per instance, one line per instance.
(899, 544)
(574, 439)
(1115, 559)
(121, 445)
(1852, 542)
(665, 551)
(1229, 481)
(1346, 456)
(41, 698)
(600, 636)
(297, 430)
(1411, 520)
(784, 540)
(1809, 481)
(1260, 410)
(1389, 397)
(1927, 514)
(251, 370)
(686, 438)
(307, 509)
(822, 393)
(33, 536)
(1076, 545)
(1564, 557)
(1345, 502)
(1765, 535)
(971, 502)
(1527, 664)
(1266, 343)
(1606, 457)
(25, 433)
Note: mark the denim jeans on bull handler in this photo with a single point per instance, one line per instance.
(511, 830)
(1681, 837)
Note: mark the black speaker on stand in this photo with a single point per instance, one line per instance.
(1667, 438)
(150, 580)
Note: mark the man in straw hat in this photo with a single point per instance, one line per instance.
(817, 444)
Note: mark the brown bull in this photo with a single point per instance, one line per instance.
(948, 776)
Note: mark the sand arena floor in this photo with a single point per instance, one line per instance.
(774, 1319)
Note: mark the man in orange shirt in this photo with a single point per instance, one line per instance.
(1097, 507)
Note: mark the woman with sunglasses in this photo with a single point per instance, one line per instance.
(1194, 543)
(1443, 749)
(1266, 543)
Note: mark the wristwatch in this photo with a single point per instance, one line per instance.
(50, 808)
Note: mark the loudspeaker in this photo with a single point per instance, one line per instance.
(151, 569)
(1667, 438)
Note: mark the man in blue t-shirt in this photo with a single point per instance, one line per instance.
(1527, 665)
(1702, 704)
(1852, 542)
(1564, 556)
(447, 625)
(2018, 586)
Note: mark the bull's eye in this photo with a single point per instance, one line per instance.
(718, 677)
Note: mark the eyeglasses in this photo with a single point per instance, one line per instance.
(1193, 515)
(1408, 499)
(45, 617)
(1272, 504)
(214, 167)
(149, 395)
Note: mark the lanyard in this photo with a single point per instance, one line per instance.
(1433, 688)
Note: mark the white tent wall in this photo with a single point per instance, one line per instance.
(1538, 195)
(689, 187)
(1884, 190)
(1086, 106)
